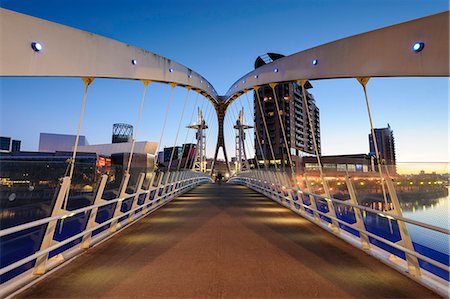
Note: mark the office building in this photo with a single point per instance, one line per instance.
(386, 146)
(294, 118)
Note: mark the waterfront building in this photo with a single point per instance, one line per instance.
(386, 146)
(294, 119)
(340, 164)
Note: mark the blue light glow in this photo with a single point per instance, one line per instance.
(37, 47)
(418, 47)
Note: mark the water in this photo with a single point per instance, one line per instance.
(436, 214)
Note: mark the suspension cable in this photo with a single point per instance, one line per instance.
(173, 85)
(87, 81)
(145, 82)
(311, 127)
(363, 81)
(187, 132)
(288, 151)
(193, 137)
(257, 136)
(236, 116)
(252, 145)
(265, 126)
(178, 130)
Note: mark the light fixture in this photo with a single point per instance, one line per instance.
(255, 76)
(243, 81)
(37, 47)
(171, 70)
(314, 61)
(275, 70)
(190, 76)
(133, 61)
(418, 47)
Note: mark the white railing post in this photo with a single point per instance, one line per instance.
(86, 242)
(137, 190)
(365, 244)
(122, 193)
(149, 191)
(413, 263)
(41, 262)
(312, 199)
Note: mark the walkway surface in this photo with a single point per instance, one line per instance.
(225, 242)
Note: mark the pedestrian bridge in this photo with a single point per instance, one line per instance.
(225, 242)
(270, 231)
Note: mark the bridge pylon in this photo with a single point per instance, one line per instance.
(241, 156)
(200, 150)
(220, 107)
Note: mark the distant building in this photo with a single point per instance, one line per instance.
(386, 146)
(49, 142)
(168, 153)
(183, 156)
(5, 144)
(356, 163)
(122, 133)
(15, 145)
(294, 118)
(8, 145)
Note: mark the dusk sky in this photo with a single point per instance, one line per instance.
(221, 40)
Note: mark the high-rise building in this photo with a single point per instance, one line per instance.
(385, 144)
(294, 118)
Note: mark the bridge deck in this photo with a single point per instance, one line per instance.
(225, 241)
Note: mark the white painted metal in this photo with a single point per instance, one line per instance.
(69, 52)
(426, 278)
(241, 155)
(10, 286)
(385, 52)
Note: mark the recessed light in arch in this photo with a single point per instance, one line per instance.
(37, 47)
(418, 47)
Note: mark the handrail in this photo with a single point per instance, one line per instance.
(381, 239)
(15, 229)
(81, 234)
(370, 210)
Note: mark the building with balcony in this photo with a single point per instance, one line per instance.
(294, 118)
(386, 146)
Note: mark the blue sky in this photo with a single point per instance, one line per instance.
(220, 40)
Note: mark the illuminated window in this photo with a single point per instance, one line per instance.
(341, 167)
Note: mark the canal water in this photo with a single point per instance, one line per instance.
(437, 214)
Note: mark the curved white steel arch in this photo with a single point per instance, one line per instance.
(385, 52)
(69, 52)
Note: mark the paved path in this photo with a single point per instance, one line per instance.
(225, 242)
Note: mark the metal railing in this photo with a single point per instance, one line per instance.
(355, 227)
(56, 247)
